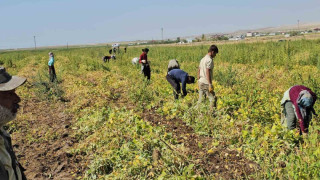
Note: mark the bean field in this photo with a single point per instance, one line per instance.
(105, 121)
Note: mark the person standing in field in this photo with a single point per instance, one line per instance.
(114, 50)
(177, 76)
(52, 71)
(125, 50)
(297, 108)
(173, 64)
(205, 75)
(143, 60)
(10, 168)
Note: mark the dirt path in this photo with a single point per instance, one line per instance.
(224, 163)
(42, 141)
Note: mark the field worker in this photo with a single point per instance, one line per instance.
(205, 74)
(135, 60)
(173, 64)
(114, 50)
(297, 108)
(145, 67)
(177, 76)
(110, 51)
(10, 168)
(125, 50)
(106, 58)
(52, 71)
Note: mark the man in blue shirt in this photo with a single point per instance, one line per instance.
(52, 71)
(177, 76)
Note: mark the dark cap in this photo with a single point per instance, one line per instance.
(8, 82)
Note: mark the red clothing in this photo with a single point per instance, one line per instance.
(143, 56)
(294, 95)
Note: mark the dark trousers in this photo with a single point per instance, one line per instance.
(52, 73)
(146, 71)
(176, 86)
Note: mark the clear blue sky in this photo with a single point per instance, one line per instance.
(56, 22)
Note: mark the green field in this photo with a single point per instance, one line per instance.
(124, 127)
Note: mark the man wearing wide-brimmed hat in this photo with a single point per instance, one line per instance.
(10, 168)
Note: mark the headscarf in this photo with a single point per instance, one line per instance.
(305, 103)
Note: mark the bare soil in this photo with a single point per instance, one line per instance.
(42, 141)
(223, 162)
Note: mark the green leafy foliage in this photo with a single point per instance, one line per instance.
(109, 99)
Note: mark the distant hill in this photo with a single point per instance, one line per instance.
(282, 28)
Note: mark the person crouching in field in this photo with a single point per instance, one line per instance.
(145, 67)
(177, 76)
(205, 74)
(107, 58)
(52, 71)
(10, 168)
(173, 64)
(297, 108)
(135, 60)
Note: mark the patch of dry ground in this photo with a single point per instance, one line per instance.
(42, 141)
(221, 161)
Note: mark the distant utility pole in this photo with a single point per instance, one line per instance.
(162, 33)
(35, 43)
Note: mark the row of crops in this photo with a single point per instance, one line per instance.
(109, 102)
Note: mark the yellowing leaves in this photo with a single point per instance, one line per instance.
(210, 151)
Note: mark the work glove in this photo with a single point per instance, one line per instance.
(211, 88)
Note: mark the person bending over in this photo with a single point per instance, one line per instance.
(297, 108)
(177, 76)
(173, 64)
